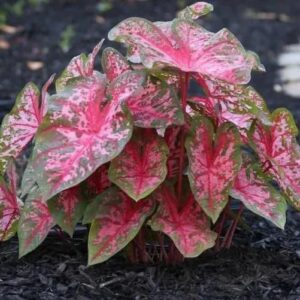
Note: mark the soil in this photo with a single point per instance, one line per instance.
(264, 263)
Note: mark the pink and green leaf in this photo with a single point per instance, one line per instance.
(97, 182)
(117, 221)
(113, 63)
(20, 125)
(35, 223)
(9, 205)
(82, 131)
(238, 104)
(186, 46)
(80, 66)
(67, 208)
(277, 145)
(214, 161)
(196, 10)
(142, 165)
(189, 227)
(156, 106)
(258, 195)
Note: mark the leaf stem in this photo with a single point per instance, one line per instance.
(184, 85)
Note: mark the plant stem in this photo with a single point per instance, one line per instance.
(229, 235)
(184, 85)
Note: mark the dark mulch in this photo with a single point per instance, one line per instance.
(263, 263)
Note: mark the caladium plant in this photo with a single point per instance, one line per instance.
(129, 153)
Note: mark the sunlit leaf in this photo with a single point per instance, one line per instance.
(186, 46)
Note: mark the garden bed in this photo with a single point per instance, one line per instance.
(263, 262)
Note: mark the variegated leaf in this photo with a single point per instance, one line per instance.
(214, 161)
(80, 66)
(187, 46)
(117, 221)
(238, 104)
(20, 125)
(9, 204)
(196, 10)
(276, 145)
(260, 196)
(35, 223)
(97, 182)
(113, 63)
(156, 106)
(83, 130)
(67, 208)
(189, 228)
(172, 139)
(141, 167)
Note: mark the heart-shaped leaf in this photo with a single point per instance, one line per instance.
(276, 145)
(141, 166)
(260, 196)
(21, 124)
(117, 221)
(80, 66)
(67, 208)
(9, 204)
(214, 161)
(35, 223)
(83, 130)
(187, 46)
(189, 228)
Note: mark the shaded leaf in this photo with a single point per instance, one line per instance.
(117, 221)
(141, 166)
(260, 196)
(238, 104)
(156, 106)
(82, 131)
(35, 223)
(97, 182)
(214, 160)
(67, 209)
(189, 228)
(9, 204)
(277, 146)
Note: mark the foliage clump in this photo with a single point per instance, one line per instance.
(128, 149)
